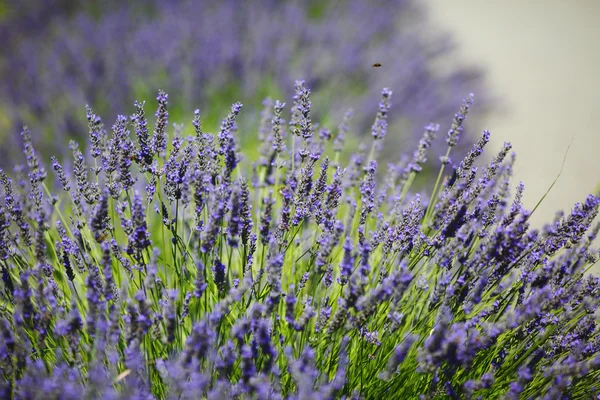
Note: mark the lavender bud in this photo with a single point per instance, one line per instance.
(301, 120)
(265, 218)
(459, 118)
(278, 128)
(99, 221)
(245, 213)
(219, 275)
(144, 154)
(234, 224)
(199, 283)
(379, 128)
(139, 239)
(158, 143)
(61, 174)
(96, 132)
(367, 191)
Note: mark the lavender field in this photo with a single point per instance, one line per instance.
(222, 201)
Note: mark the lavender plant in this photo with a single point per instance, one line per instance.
(184, 270)
(211, 52)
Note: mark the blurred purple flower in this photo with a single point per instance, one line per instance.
(75, 55)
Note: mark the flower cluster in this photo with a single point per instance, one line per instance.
(171, 266)
(59, 57)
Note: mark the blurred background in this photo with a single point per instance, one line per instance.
(542, 59)
(59, 55)
(531, 64)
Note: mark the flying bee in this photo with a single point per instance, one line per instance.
(376, 65)
(101, 237)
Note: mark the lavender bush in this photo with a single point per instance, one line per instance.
(210, 52)
(170, 266)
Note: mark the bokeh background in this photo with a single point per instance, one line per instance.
(533, 66)
(542, 58)
(61, 54)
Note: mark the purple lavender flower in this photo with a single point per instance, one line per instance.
(200, 282)
(89, 191)
(420, 155)
(171, 315)
(61, 174)
(274, 265)
(158, 143)
(319, 189)
(265, 219)
(4, 234)
(37, 173)
(347, 264)
(100, 220)
(245, 213)
(278, 128)
(367, 191)
(234, 223)
(124, 146)
(303, 194)
(327, 213)
(219, 275)
(457, 125)
(379, 128)
(139, 239)
(301, 121)
(327, 242)
(15, 208)
(470, 158)
(211, 232)
(227, 143)
(399, 355)
(144, 154)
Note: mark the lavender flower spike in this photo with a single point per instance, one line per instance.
(459, 118)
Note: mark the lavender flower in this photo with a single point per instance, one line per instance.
(234, 224)
(200, 283)
(457, 128)
(61, 175)
(301, 111)
(219, 275)
(245, 213)
(278, 128)
(227, 143)
(88, 190)
(144, 154)
(379, 129)
(367, 191)
(158, 142)
(139, 239)
(265, 219)
(99, 222)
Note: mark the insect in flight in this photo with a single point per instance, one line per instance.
(101, 237)
(376, 65)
